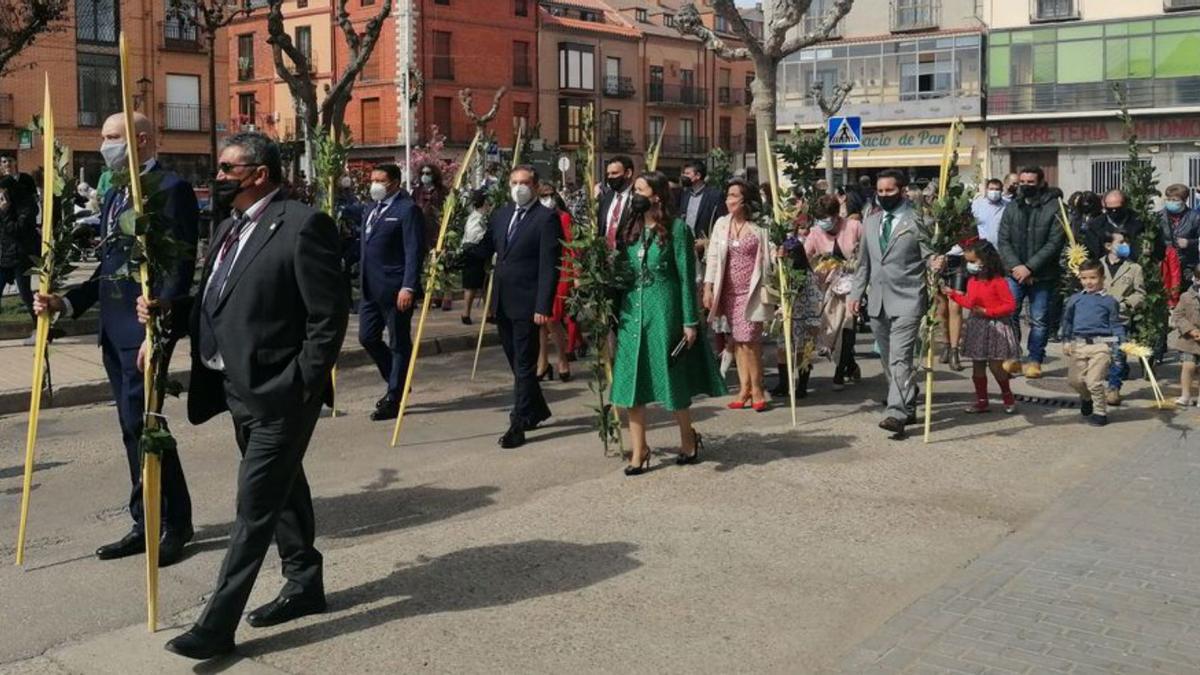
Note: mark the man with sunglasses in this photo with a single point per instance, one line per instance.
(121, 335)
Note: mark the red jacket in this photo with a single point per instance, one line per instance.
(991, 295)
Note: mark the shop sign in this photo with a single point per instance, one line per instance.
(1096, 132)
(910, 138)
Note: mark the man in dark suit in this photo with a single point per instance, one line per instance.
(614, 202)
(393, 247)
(267, 324)
(121, 335)
(524, 235)
(701, 204)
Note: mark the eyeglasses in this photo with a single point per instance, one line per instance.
(228, 167)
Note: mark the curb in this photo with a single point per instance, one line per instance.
(98, 391)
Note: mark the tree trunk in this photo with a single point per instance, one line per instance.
(763, 107)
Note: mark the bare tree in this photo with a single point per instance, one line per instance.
(296, 69)
(783, 35)
(466, 96)
(829, 107)
(21, 22)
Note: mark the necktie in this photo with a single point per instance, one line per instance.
(885, 234)
(613, 222)
(114, 212)
(212, 296)
(374, 214)
(516, 224)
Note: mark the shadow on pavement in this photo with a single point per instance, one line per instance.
(733, 451)
(473, 578)
(19, 469)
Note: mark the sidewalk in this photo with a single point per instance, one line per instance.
(1105, 581)
(77, 369)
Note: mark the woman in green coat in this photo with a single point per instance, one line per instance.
(658, 314)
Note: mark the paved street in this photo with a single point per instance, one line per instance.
(823, 548)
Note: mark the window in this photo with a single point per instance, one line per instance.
(246, 109)
(371, 121)
(182, 111)
(656, 83)
(301, 4)
(1108, 174)
(655, 129)
(367, 3)
(722, 25)
(99, 88)
(1052, 10)
(245, 57)
(929, 75)
(522, 73)
(570, 122)
(371, 69)
(1194, 177)
(669, 20)
(576, 67)
(442, 116)
(443, 62)
(588, 15)
(521, 7)
(610, 129)
(642, 15)
(441, 2)
(521, 115)
(304, 44)
(725, 134)
(687, 136)
(97, 21)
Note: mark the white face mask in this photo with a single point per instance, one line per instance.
(522, 194)
(115, 154)
(378, 191)
(993, 195)
(426, 179)
(548, 202)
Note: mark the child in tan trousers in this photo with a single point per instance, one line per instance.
(1091, 324)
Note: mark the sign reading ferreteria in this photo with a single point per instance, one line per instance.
(1095, 132)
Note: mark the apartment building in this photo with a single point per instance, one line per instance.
(915, 65)
(169, 61)
(1051, 70)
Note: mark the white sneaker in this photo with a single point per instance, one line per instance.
(1183, 402)
(30, 341)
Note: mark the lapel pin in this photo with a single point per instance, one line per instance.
(273, 226)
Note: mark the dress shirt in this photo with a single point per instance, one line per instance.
(623, 196)
(987, 218)
(375, 214)
(476, 227)
(693, 209)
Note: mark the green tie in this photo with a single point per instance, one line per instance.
(885, 235)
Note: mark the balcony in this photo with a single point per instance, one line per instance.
(618, 87)
(731, 96)
(180, 34)
(733, 145)
(915, 15)
(619, 141)
(812, 24)
(295, 69)
(1053, 10)
(6, 110)
(183, 117)
(677, 94)
(245, 69)
(1180, 5)
(1097, 96)
(681, 146)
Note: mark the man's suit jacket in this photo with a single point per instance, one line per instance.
(281, 318)
(175, 201)
(894, 278)
(527, 266)
(606, 200)
(393, 251)
(712, 207)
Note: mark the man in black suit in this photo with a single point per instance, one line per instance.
(266, 325)
(393, 246)
(120, 335)
(524, 235)
(700, 204)
(614, 203)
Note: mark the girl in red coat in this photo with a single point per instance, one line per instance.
(989, 338)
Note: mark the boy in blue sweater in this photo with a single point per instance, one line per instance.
(1091, 324)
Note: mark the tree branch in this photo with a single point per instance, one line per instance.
(829, 107)
(828, 23)
(22, 22)
(466, 98)
(360, 47)
(688, 22)
(299, 82)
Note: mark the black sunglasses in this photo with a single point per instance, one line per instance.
(227, 167)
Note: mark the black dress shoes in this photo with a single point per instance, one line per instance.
(892, 424)
(200, 644)
(513, 438)
(133, 543)
(387, 409)
(170, 547)
(285, 608)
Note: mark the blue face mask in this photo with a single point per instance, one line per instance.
(1173, 206)
(1123, 250)
(826, 224)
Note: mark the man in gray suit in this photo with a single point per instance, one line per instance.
(891, 272)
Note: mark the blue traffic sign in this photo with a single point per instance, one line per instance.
(845, 133)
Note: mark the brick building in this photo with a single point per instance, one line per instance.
(169, 66)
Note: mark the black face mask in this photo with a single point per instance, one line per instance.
(224, 191)
(889, 202)
(616, 184)
(639, 204)
(685, 182)
(1029, 192)
(1118, 214)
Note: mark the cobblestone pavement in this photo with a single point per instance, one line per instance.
(1105, 581)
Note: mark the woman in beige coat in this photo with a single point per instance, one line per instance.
(737, 272)
(1185, 336)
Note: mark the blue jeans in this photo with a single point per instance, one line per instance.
(1039, 295)
(1118, 369)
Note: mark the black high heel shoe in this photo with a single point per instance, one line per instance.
(640, 468)
(564, 375)
(547, 374)
(694, 458)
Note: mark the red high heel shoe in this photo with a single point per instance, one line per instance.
(736, 405)
(761, 406)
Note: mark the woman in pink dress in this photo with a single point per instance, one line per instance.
(736, 274)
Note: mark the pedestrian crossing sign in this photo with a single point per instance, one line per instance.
(845, 133)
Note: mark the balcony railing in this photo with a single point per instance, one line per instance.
(1051, 98)
(914, 15)
(6, 110)
(180, 34)
(1053, 10)
(295, 69)
(245, 69)
(677, 94)
(621, 141)
(183, 117)
(522, 76)
(733, 144)
(618, 87)
(731, 96)
(681, 146)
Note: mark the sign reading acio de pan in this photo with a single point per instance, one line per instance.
(1096, 132)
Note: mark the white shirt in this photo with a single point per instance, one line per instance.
(255, 210)
(624, 197)
(475, 229)
(376, 213)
